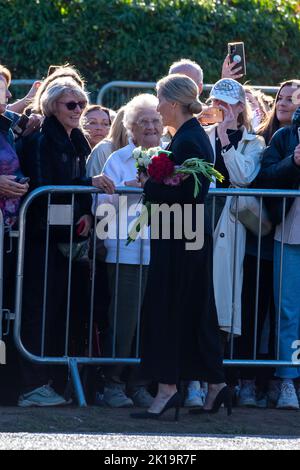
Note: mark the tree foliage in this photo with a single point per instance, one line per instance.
(138, 39)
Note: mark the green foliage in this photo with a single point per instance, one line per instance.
(139, 39)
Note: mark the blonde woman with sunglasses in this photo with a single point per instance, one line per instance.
(54, 155)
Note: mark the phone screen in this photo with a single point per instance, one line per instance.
(211, 115)
(22, 179)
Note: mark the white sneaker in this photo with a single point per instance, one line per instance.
(195, 395)
(288, 399)
(43, 396)
(247, 396)
(114, 396)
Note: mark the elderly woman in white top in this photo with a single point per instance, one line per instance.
(238, 153)
(144, 127)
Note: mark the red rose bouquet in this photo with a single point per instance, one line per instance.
(158, 164)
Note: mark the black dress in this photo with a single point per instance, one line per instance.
(180, 339)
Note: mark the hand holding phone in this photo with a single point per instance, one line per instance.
(236, 52)
(20, 126)
(211, 115)
(22, 179)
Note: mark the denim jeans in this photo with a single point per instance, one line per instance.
(290, 307)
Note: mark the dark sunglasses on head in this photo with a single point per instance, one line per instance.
(71, 105)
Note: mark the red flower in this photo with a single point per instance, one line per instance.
(160, 167)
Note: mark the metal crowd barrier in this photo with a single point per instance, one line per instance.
(1, 271)
(117, 93)
(73, 362)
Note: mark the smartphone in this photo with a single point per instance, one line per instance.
(2, 92)
(236, 52)
(22, 179)
(211, 115)
(20, 125)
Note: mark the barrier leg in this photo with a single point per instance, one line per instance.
(77, 383)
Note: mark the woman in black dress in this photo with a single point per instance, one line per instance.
(181, 335)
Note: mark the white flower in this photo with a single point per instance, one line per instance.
(153, 151)
(137, 153)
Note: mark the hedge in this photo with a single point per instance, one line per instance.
(137, 40)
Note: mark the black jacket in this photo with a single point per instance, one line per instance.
(50, 157)
(190, 141)
(279, 170)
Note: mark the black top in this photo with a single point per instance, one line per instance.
(51, 157)
(279, 170)
(190, 141)
(235, 137)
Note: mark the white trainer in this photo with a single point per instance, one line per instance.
(195, 395)
(114, 396)
(42, 397)
(288, 399)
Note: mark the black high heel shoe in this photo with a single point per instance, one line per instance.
(224, 396)
(174, 402)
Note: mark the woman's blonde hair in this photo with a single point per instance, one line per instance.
(55, 72)
(245, 118)
(117, 134)
(6, 74)
(181, 89)
(58, 88)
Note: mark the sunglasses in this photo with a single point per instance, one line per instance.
(71, 105)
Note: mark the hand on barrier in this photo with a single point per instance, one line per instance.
(103, 182)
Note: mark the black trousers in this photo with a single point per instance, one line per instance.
(9, 373)
(36, 375)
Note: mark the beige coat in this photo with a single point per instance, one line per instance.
(243, 165)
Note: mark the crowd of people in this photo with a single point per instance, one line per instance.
(186, 297)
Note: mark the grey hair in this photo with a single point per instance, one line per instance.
(185, 65)
(58, 88)
(182, 90)
(135, 106)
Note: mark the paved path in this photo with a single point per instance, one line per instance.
(27, 441)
